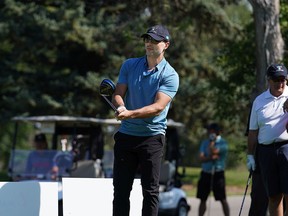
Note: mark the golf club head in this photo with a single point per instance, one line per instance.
(107, 87)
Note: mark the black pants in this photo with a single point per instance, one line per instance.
(259, 198)
(130, 153)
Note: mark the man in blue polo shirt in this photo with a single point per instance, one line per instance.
(144, 91)
(213, 155)
(268, 131)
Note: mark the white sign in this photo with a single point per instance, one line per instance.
(94, 196)
(28, 198)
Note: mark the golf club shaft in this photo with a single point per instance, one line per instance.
(211, 187)
(248, 182)
(110, 103)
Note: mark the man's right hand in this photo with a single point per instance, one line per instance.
(251, 165)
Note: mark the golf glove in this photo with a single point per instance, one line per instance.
(121, 109)
(251, 165)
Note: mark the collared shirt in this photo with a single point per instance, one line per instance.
(219, 164)
(268, 116)
(142, 88)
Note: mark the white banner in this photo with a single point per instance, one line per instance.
(28, 198)
(94, 196)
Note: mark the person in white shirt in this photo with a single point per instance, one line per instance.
(267, 130)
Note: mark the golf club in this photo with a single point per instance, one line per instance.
(248, 182)
(107, 88)
(211, 187)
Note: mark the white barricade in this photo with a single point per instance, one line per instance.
(94, 196)
(28, 198)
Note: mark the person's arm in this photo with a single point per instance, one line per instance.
(252, 141)
(154, 109)
(119, 94)
(215, 151)
(204, 158)
(212, 156)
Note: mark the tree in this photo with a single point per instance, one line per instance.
(269, 41)
(50, 56)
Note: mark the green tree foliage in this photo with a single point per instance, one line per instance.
(52, 57)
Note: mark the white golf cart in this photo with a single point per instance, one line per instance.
(76, 147)
(172, 199)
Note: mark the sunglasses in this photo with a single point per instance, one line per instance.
(279, 80)
(150, 40)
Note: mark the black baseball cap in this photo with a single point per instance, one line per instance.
(214, 126)
(276, 70)
(158, 33)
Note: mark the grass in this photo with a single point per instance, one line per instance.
(236, 180)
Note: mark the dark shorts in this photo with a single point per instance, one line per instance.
(216, 183)
(273, 162)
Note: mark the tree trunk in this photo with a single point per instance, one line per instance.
(269, 41)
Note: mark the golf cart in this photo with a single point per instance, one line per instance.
(76, 147)
(172, 199)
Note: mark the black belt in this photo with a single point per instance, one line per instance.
(275, 144)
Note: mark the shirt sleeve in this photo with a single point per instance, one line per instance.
(170, 84)
(253, 124)
(123, 74)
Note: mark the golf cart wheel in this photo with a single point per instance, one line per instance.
(182, 209)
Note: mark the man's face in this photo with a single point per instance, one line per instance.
(212, 134)
(153, 47)
(277, 85)
(40, 145)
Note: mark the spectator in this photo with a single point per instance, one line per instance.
(213, 153)
(40, 161)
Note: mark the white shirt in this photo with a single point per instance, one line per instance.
(268, 116)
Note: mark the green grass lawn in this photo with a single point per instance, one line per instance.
(236, 180)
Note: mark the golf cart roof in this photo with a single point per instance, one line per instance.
(64, 119)
(78, 120)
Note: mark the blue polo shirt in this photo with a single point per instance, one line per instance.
(219, 164)
(142, 88)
